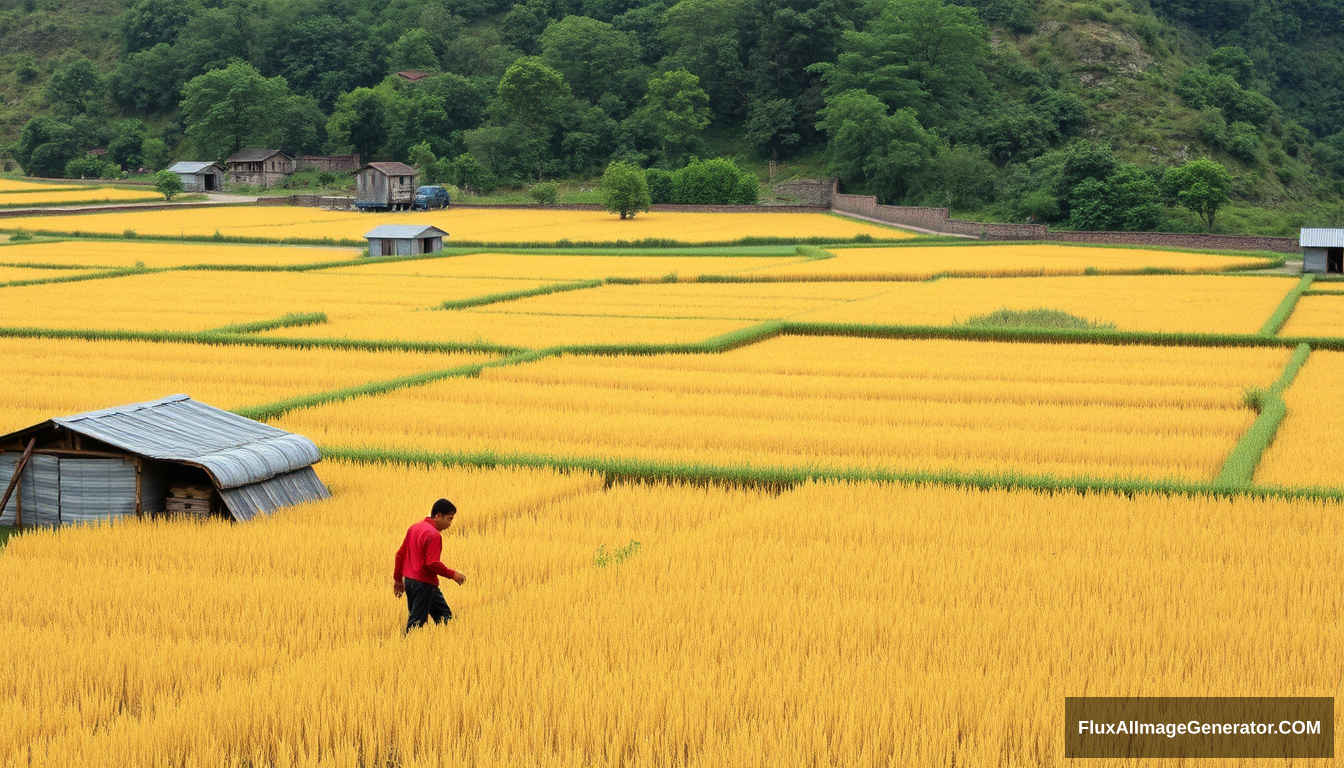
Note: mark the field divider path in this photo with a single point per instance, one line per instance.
(1239, 468)
(291, 320)
(1277, 320)
(252, 340)
(496, 298)
(103, 274)
(777, 477)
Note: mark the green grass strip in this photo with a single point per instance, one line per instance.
(291, 320)
(496, 298)
(1239, 468)
(243, 339)
(103, 275)
(71, 267)
(1057, 336)
(281, 407)
(1285, 308)
(645, 470)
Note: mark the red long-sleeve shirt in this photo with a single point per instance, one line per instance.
(420, 553)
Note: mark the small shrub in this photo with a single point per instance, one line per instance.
(1255, 398)
(21, 236)
(1036, 318)
(544, 194)
(602, 558)
(128, 233)
(863, 238)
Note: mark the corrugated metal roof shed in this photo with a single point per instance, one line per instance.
(257, 468)
(403, 232)
(191, 166)
(1321, 238)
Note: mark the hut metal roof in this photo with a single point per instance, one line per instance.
(191, 166)
(403, 232)
(392, 169)
(235, 451)
(1321, 238)
(253, 155)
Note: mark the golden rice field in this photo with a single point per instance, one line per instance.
(42, 378)
(129, 253)
(81, 196)
(16, 185)
(1316, 316)
(1306, 450)
(910, 262)
(1191, 303)
(567, 267)
(853, 624)
(463, 224)
(24, 274)
(1327, 285)
(468, 326)
(839, 403)
(859, 623)
(200, 300)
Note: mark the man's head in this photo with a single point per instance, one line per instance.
(442, 514)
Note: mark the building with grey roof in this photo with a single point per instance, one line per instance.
(1322, 250)
(385, 186)
(259, 167)
(132, 460)
(404, 239)
(199, 176)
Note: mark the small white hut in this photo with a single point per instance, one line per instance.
(1322, 250)
(404, 240)
(199, 176)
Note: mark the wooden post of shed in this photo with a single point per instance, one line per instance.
(139, 510)
(16, 483)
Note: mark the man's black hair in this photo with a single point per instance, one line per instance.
(443, 507)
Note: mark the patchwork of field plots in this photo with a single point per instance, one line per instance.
(1203, 303)
(853, 624)
(200, 300)
(17, 185)
(42, 378)
(913, 262)
(463, 224)
(928, 406)
(1316, 316)
(130, 253)
(1307, 448)
(754, 616)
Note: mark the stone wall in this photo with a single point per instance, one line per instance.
(809, 191)
(329, 163)
(1182, 240)
(937, 220)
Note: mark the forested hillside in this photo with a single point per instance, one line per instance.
(1068, 112)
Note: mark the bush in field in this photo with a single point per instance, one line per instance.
(91, 168)
(660, 185)
(544, 194)
(167, 184)
(1035, 318)
(625, 189)
(713, 182)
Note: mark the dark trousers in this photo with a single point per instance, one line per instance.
(425, 601)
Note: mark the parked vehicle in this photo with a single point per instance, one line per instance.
(429, 198)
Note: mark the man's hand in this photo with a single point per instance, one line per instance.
(398, 588)
(459, 578)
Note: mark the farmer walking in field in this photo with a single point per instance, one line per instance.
(419, 567)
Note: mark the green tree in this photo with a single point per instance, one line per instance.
(76, 88)
(625, 189)
(522, 26)
(921, 54)
(594, 57)
(713, 182)
(1203, 186)
(147, 81)
(156, 154)
(702, 38)
(301, 128)
(45, 146)
(871, 149)
(231, 108)
(359, 122)
(413, 50)
(127, 149)
(772, 126)
(150, 22)
(167, 184)
(674, 114)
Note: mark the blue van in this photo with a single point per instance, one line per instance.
(429, 198)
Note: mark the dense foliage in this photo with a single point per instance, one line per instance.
(969, 104)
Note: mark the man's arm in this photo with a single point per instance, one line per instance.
(397, 585)
(433, 555)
